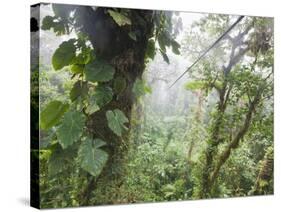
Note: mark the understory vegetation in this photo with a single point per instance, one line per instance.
(112, 128)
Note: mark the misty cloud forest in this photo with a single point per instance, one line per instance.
(147, 106)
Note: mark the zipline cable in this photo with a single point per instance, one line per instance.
(208, 49)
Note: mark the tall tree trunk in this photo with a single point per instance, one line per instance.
(213, 143)
(235, 142)
(113, 44)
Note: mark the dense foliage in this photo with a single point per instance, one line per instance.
(112, 132)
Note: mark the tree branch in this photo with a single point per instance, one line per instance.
(241, 133)
(236, 42)
(235, 59)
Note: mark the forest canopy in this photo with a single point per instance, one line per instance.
(117, 124)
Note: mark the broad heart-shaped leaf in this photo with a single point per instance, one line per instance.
(64, 55)
(60, 159)
(99, 71)
(79, 88)
(70, 130)
(119, 18)
(103, 95)
(91, 158)
(116, 120)
(52, 113)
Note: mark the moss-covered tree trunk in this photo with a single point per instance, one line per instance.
(238, 50)
(113, 45)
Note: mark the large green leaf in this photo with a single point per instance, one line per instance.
(58, 25)
(52, 113)
(119, 18)
(79, 88)
(116, 120)
(99, 71)
(47, 22)
(103, 95)
(71, 128)
(91, 158)
(60, 160)
(64, 54)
